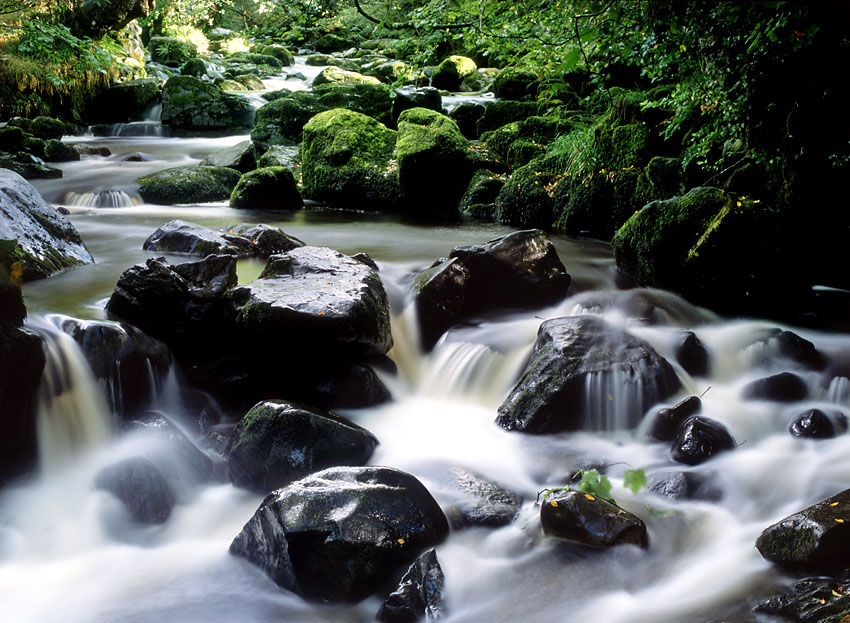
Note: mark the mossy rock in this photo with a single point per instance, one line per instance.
(48, 128)
(171, 51)
(514, 83)
(433, 162)
(503, 112)
(594, 206)
(286, 58)
(624, 146)
(526, 199)
(483, 189)
(346, 161)
(393, 71)
(188, 184)
(34, 146)
(251, 82)
(466, 117)
(269, 188)
(11, 139)
(188, 102)
(479, 80)
(281, 121)
(194, 67)
(534, 133)
(251, 58)
(330, 43)
(57, 151)
(281, 156)
(335, 75)
(320, 60)
(366, 98)
(451, 72)
(661, 179)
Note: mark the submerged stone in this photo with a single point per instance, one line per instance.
(782, 387)
(140, 487)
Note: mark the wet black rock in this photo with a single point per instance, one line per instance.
(585, 373)
(815, 424)
(419, 595)
(693, 356)
(470, 500)
(782, 387)
(698, 439)
(130, 365)
(181, 237)
(816, 538)
(590, 520)
(776, 343)
(267, 240)
(812, 600)
(277, 442)
(668, 420)
(141, 487)
(519, 271)
(340, 534)
(684, 486)
(46, 241)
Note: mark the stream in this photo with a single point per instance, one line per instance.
(68, 555)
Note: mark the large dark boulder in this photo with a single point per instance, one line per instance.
(267, 240)
(141, 487)
(812, 600)
(269, 188)
(46, 241)
(419, 595)
(590, 520)
(242, 156)
(181, 237)
(372, 100)
(341, 533)
(698, 439)
(280, 122)
(586, 374)
(346, 161)
(518, 271)
(188, 184)
(409, 97)
(693, 356)
(190, 103)
(163, 443)
(130, 365)
(124, 102)
(315, 299)
(815, 424)
(816, 538)
(451, 72)
(668, 420)
(277, 442)
(433, 162)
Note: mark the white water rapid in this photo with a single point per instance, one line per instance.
(69, 553)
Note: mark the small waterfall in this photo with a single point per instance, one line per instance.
(72, 412)
(106, 198)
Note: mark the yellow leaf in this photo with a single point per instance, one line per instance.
(401, 541)
(683, 47)
(834, 504)
(589, 497)
(554, 503)
(839, 520)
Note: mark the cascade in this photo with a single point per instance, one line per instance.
(105, 198)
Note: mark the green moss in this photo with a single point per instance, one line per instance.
(47, 128)
(594, 206)
(34, 146)
(281, 122)
(660, 179)
(254, 59)
(513, 83)
(189, 184)
(503, 112)
(451, 72)
(171, 51)
(346, 161)
(194, 67)
(269, 188)
(526, 199)
(279, 52)
(335, 75)
(11, 139)
(188, 102)
(369, 99)
(57, 151)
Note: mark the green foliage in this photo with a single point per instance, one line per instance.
(599, 485)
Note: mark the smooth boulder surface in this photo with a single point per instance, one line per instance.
(668, 420)
(242, 156)
(46, 241)
(698, 439)
(419, 595)
(188, 184)
(590, 520)
(815, 424)
(269, 188)
(339, 534)
(577, 364)
(684, 486)
(519, 271)
(693, 356)
(181, 237)
(782, 387)
(816, 538)
(277, 442)
(267, 240)
(140, 487)
(123, 358)
(316, 299)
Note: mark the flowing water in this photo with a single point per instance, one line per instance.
(69, 554)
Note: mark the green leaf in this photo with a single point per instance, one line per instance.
(634, 479)
(595, 483)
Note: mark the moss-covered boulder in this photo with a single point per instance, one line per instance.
(595, 205)
(278, 51)
(269, 188)
(623, 146)
(410, 97)
(526, 199)
(514, 83)
(171, 51)
(188, 102)
(331, 42)
(392, 71)
(281, 121)
(277, 442)
(282, 156)
(188, 184)
(451, 72)
(466, 117)
(479, 80)
(661, 178)
(433, 162)
(335, 75)
(815, 539)
(483, 189)
(240, 59)
(11, 139)
(57, 151)
(123, 102)
(367, 98)
(346, 161)
(48, 128)
(46, 242)
(503, 112)
(683, 244)
(196, 67)
(242, 156)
